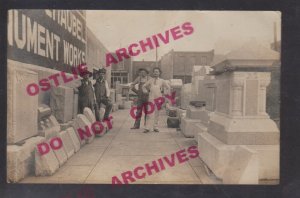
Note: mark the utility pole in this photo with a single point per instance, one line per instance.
(156, 57)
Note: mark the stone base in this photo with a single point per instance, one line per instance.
(198, 128)
(244, 131)
(187, 127)
(217, 156)
(243, 167)
(20, 159)
(214, 153)
(21, 107)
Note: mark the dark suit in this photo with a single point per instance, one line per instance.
(85, 96)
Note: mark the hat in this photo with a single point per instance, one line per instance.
(99, 70)
(144, 69)
(85, 72)
(102, 70)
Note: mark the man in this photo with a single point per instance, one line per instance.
(154, 87)
(102, 92)
(86, 96)
(142, 97)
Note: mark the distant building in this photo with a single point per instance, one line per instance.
(136, 65)
(96, 54)
(179, 65)
(122, 71)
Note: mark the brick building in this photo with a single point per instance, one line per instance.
(179, 65)
(122, 71)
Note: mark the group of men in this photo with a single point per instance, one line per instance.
(93, 94)
(148, 89)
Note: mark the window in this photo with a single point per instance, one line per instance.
(203, 60)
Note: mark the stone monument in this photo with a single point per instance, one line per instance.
(240, 116)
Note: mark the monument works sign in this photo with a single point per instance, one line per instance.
(54, 39)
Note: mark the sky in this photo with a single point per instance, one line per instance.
(222, 31)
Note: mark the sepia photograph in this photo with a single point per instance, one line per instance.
(143, 97)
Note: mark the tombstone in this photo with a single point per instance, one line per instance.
(67, 143)
(74, 138)
(47, 164)
(240, 116)
(61, 155)
(61, 103)
(22, 108)
(20, 159)
(82, 122)
(89, 115)
(48, 126)
(187, 127)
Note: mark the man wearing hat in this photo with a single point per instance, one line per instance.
(142, 97)
(102, 91)
(86, 96)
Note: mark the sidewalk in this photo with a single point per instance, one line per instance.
(122, 149)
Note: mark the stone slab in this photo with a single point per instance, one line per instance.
(187, 127)
(61, 103)
(61, 155)
(245, 131)
(20, 159)
(67, 143)
(198, 128)
(21, 107)
(82, 122)
(243, 167)
(89, 114)
(74, 138)
(46, 164)
(214, 153)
